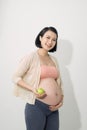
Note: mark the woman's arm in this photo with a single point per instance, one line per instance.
(25, 85)
(22, 69)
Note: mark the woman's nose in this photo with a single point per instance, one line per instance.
(50, 41)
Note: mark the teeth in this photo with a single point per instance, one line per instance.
(49, 45)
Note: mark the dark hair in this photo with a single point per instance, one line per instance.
(41, 33)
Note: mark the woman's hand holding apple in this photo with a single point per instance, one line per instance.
(40, 92)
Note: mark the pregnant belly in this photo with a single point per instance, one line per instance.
(52, 90)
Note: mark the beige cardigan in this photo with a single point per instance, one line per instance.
(29, 71)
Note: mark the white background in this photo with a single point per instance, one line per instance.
(20, 22)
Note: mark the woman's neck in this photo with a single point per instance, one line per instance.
(43, 52)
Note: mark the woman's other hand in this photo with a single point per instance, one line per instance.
(55, 107)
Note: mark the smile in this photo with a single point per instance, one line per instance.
(48, 45)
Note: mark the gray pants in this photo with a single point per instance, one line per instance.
(39, 117)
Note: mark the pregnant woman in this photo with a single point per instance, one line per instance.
(40, 70)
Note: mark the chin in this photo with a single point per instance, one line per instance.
(47, 49)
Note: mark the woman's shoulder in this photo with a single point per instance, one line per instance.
(30, 54)
(55, 59)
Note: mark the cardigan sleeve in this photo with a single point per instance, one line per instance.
(22, 68)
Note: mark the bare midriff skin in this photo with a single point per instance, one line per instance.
(53, 91)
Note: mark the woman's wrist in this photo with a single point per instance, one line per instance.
(32, 89)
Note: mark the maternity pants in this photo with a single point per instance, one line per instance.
(39, 117)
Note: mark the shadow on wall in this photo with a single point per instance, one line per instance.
(69, 114)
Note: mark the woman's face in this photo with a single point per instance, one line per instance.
(48, 40)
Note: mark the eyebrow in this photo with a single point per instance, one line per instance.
(49, 36)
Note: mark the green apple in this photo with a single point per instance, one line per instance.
(40, 90)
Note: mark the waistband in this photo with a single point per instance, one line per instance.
(40, 102)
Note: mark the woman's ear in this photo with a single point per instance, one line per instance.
(40, 38)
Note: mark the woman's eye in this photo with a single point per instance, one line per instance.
(54, 40)
(48, 37)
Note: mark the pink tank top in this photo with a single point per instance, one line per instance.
(49, 72)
